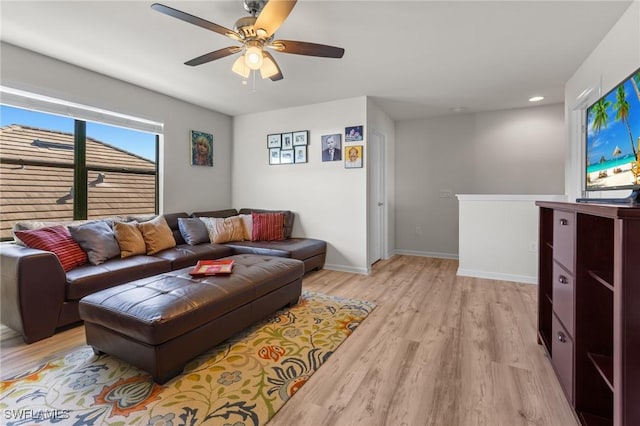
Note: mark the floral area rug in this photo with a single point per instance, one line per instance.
(241, 382)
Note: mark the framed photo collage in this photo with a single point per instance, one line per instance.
(288, 148)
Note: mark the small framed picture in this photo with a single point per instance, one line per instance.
(353, 157)
(287, 141)
(353, 134)
(300, 138)
(274, 155)
(201, 145)
(286, 156)
(331, 147)
(274, 141)
(300, 154)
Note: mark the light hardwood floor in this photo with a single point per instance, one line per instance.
(438, 350)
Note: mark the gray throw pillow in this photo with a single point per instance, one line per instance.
(193, 230)
(97, 239)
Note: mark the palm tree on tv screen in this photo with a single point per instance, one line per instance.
(622, 113)
(600, 115)
(635, 82)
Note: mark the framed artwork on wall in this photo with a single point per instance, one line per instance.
(274, 155)
(286, 156)
(301, 138)
(353, 133)
(300, 154)
(353, 157)
(201, 148)
(331, 147)
(287, 141)
(274, 141)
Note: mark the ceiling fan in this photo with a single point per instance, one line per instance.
(255, 32)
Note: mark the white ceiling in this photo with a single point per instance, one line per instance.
(414, 58)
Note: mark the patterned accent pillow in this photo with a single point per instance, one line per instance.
(267, 226)
(56, 239)
(157, 235)
(224, 230)
(193, 230)
(97, 239)
(129, 238)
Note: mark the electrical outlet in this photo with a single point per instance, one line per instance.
(445, 193)
(418, 230)
(533, 247)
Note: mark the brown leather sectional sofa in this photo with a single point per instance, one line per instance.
(38, 297)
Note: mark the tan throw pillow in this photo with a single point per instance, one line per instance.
(247, 223)
(129, 238)
(157, 235)
(224, 230)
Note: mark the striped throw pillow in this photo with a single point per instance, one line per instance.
(267, 226)
(57, 240)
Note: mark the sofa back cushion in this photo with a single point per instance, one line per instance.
(172, 221)
(97, 239)
(289, 217)
(216, 213)
(57, 240)
(129, 238)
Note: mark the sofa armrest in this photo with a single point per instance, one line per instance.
(31, 290)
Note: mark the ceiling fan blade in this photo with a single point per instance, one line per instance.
(278, 75)
(305, 48)
(183, 16)
(273, 15)
(212, 56)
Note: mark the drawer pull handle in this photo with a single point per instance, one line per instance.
(561, 337)
(563, 280)
(564, 222)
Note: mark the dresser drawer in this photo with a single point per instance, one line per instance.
(563, 290)
(562, 357)
(564, 229)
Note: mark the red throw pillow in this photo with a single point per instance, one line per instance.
(267, 226)
(56, 239)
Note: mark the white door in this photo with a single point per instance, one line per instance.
(377, 205)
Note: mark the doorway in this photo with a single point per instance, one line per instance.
(377, 197)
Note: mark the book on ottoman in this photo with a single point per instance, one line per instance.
(212, 267)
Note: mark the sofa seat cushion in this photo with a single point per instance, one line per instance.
(157, 309)
(88, 279)
(295, 248)
(185, 255)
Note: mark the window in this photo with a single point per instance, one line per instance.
(56, 168)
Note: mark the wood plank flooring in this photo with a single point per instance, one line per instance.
(438, 350)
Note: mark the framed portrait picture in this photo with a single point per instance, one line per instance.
(300, 138)
(201, 145)
(274, 141)
(274, 155)
(353, 157)
(287, 141)
(286, 156)
(331, 147)
(353, 134)
(300, 154)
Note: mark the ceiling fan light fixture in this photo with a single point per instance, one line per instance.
(253, 57)
(268, 68)
(240, 67)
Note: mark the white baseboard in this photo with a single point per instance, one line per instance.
(497, 276)
(343, 268)
(428, 254)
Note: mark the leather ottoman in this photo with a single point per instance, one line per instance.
(159, 323)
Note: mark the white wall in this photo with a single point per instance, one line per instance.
(517, 151)
(183, 187)
(329, 200)
(615, 57)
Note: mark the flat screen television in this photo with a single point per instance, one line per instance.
(612, 141)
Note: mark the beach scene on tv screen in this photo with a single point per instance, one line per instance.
(613, 137)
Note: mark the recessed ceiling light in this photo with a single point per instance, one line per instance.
(458, 109)
(536, 99)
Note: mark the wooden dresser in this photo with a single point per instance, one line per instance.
(589, 307)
